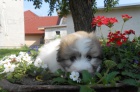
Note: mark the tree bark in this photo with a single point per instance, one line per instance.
(82, 14)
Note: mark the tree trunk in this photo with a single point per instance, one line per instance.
(82, 14)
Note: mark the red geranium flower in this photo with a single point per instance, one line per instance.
(117, 38)
(102, 20)
(128, 32)
(132, 31)
(109, 21)
(126, 17)
(98, 21)
(119, 43)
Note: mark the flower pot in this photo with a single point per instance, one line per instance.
(63, 88)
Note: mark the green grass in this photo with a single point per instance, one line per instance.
(5, 52)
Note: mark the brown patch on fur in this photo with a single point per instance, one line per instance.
(95, 51)
(67, 46)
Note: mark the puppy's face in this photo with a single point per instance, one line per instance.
(79, 51)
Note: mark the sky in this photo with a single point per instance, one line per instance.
(43, 11)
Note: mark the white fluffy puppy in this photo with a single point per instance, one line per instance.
(75, 52)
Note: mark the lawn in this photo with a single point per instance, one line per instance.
(5, 52)
(33, 50)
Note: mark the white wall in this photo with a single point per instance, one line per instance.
(50, 33)
(12, 23)
(33, 40)
(133, 23)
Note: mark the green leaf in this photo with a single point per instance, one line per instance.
(132, 75)
(111, 76)
(59, 72)
(18, 76)
(86, 76)
(99, 75)
(71, 82)
(84, 88)
(132, 82)
(59, 80)
(2, 76)
(113, 82)
(110, 64)
(10, 78)
(1, 69)
(104, 81)
(120, 66)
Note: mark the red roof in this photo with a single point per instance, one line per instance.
(32, 22)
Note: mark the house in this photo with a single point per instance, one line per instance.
(132, 10)
(11, 23)
(53, 32)
(33, 36)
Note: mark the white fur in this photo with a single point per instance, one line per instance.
(48, 54)
(81, 64)
(82, 45)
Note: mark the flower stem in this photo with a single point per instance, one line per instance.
(103, 76)
(110, 29)
(101, 34)
(122, 27)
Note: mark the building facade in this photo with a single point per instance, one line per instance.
(54, 32)
(34, 36)
(11, 23)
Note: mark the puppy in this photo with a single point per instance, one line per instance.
(75, 52)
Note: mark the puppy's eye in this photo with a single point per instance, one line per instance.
(72, 58)
(89, 57)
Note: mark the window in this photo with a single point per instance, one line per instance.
(57, 32)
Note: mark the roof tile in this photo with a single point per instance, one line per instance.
(32, 22)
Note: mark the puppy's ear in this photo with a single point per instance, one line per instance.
(96, 46)
(92, 35)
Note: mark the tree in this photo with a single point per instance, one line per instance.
(82, 10)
